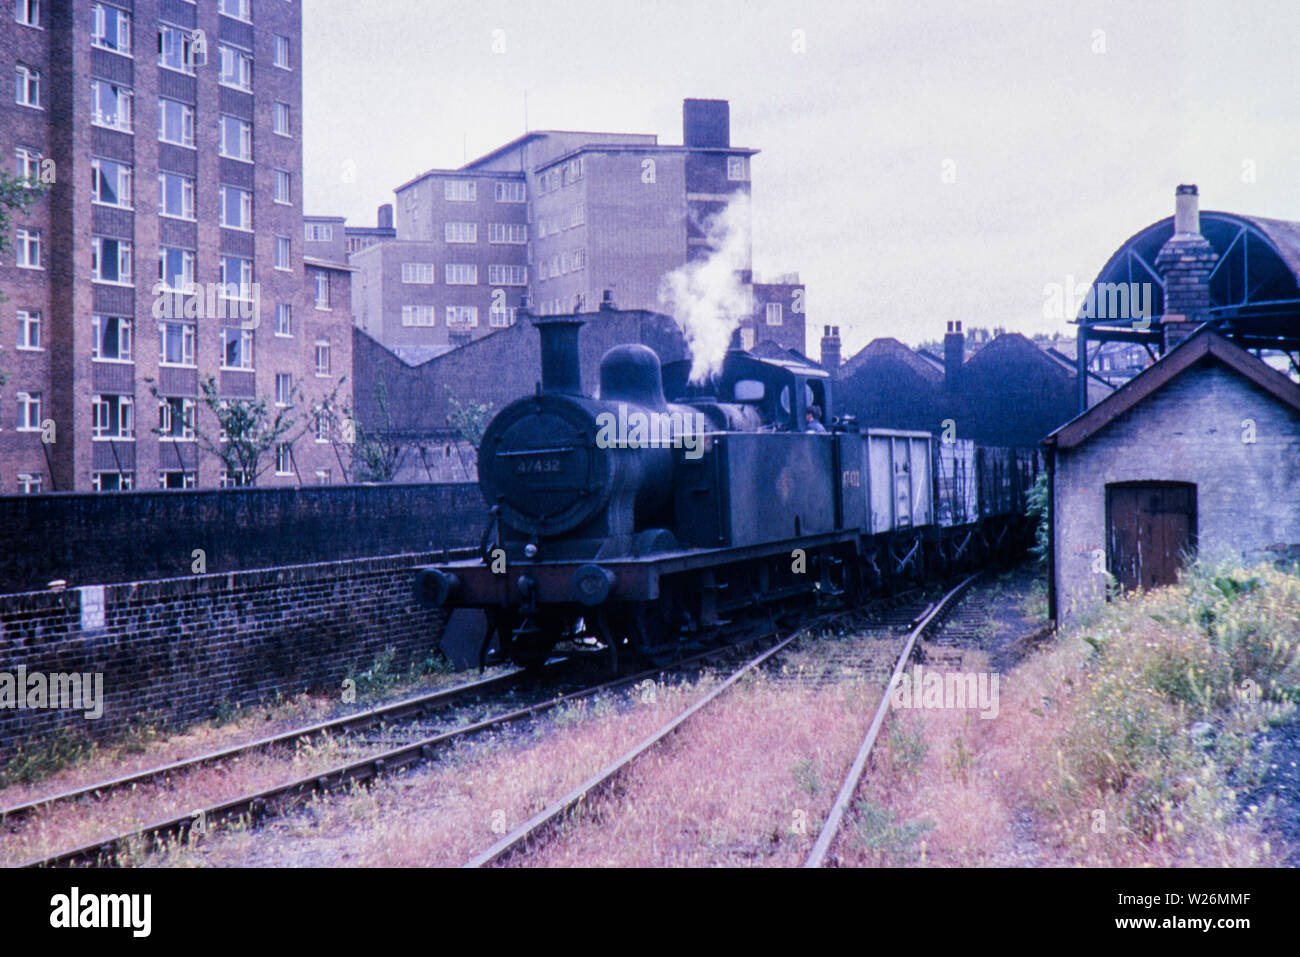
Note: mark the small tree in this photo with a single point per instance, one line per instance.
(1037, 507)
(246, 430)
(470, 420)
(375, 453)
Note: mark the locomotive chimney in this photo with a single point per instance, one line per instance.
(954, 350)
(561, 368)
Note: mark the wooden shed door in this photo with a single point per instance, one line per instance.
(1149, 528)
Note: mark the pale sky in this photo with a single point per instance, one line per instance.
(1060, 152)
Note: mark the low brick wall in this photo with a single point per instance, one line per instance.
(95, 538)
(175, 649)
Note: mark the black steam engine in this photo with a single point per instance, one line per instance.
(632, 523)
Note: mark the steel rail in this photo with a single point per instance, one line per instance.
(417, 706)
(831, 828)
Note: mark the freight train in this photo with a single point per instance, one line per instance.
(641, 520)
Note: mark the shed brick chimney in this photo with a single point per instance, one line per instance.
(831, 354)
(1185, 263)
(954, 350)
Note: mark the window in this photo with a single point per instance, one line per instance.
(512, 233)
(29, 411)
(111, 29)
(283, 388)
(29, 330)
(281, 58)
(236, 68)
(113, 481)
(112, 342)
(323, 476)
(110, 260)
(237, 277)
(110, 183)
(419, 273)
(177, 479)
(322, 357)
(417, 315)
(29, 483)
(507, 275)
(320, 232)
(283, 460)
(460, 190)
(236, 208)
(281, 119)
(322, 290)
(29, 12)
(176, 419)
(237, 349)
(175, 195)
(175, 122)
(499, 317)
(236, 138)
(176, 268)
(324, 425)
(176, 343)
(239, 9)
(510, 192)
(283, 253)
(747, 338)
(231, 479)
(114, 416)
(27, 163)
(284, 319)
(110, 105)
(283, 187)
(578, 215)
(773, 311)
(462, 317)
(461, 232)
(459, 274)
(736, 169)
(27, 254)
(28, 82)
(176, 49)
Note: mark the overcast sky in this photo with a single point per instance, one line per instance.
(1060, 152)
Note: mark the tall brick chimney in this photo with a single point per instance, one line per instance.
(830, 348)
(1185, 263)
(954, 350)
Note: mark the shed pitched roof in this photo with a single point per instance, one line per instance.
(1204, 344)
(892, 348)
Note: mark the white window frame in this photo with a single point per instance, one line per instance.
(284, 244)
(283, 196)
(511, 191)
(27, 248)
(282, 111)
(461, 318)
(99, 29)
(125, 339)
(283, 389)
(100, 404)
(779, 313)
(460, 233)
(284, 311)
(244, 10)
(125, 264)
(460, 191)
(188, 192)
(188, 479)
(507, 275)
(323, 350)
(246, 278)
(189, 344)
(189, 268)
(27, 87)
(737, 169)
(323, 281)
(245, 198)
(244, 337)
(28, 13)
(284, 459)
(122, 95)
(456, 273)
(168, 38)
(283, 45)
(29, 411)
(245, 145)
(126, 174)
(240, 75)
(419, 274)
(167, 419)
(29, 483)
(187, 122)
(29, 320)
(418, 316)
(508, 234)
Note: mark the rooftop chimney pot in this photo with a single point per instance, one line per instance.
(1187, 211)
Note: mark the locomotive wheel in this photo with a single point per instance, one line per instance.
(656, 630)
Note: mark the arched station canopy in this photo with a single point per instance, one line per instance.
(1254, 288)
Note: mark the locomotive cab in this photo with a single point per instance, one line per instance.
(780, 390)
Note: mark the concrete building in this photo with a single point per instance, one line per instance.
(560, 217)
(1199, 454)
(169, 247)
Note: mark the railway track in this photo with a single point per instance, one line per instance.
(402, 734)
(535, 831)
(821, 849)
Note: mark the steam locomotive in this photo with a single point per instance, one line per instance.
(643, 520)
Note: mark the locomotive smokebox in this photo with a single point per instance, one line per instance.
(561, 367)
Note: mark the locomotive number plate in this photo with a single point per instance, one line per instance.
(538, 465)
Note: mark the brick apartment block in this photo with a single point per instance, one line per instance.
(175, 131)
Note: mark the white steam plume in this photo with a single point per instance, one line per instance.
(707, 297)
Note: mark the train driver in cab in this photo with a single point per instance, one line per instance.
(813, 417)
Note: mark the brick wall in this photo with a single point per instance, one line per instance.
(89, 538)
(1247, 495)
(174, 650)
